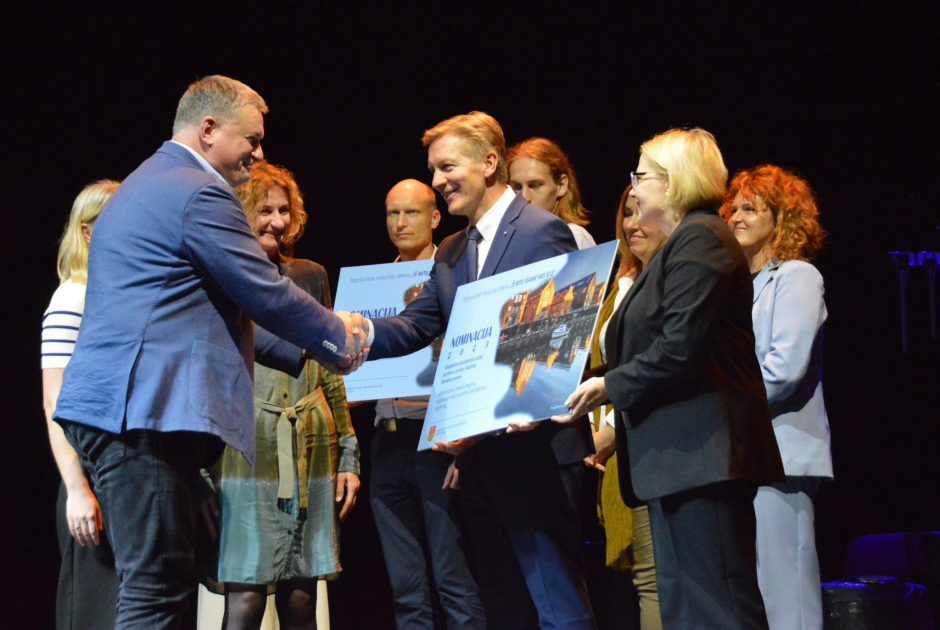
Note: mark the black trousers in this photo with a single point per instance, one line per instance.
(706, 567)
(146, 482)
(417, 525)
(86, 596)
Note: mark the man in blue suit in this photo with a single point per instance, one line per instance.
(518, 491)
(161, 373)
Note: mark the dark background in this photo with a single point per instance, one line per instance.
(842, 93)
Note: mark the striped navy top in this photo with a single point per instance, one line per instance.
(60, 324)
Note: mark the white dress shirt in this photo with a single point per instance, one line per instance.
(624, 285)
(203, 162)
(488, 224)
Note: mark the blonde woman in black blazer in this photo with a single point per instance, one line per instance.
(683, 375)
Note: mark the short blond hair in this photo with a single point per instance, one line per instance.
(693, 166)
(72, 261)
(481, 131)
(217, 96)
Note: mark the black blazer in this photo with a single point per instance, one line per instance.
(687, 381)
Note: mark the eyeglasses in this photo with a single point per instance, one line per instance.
(636, 178)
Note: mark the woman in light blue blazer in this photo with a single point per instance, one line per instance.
(774, 217)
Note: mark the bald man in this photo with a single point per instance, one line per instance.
(411, 215)
(414, 515)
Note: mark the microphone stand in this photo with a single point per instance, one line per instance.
(903, 261)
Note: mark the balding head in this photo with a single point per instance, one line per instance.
(411, 215)
(415, 191)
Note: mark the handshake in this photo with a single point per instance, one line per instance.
(357, 342)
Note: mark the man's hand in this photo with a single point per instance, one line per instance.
(210, 513)
(206, 504)
(520, 426)
(357, 331)
(589, 396)
(357, 339)
(451, 478)
(456, 447)
(349, 364)
(347, 487)
(83, 515)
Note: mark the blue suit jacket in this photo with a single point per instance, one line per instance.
(162, 342)
(789, 313)
(525, 235)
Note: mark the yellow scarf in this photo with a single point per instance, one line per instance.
(613, 514)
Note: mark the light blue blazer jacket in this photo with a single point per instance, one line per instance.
(788, 314)
(175, 274)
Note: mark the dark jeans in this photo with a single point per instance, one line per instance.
(706, 567)
(145, 482)
(522, 520)
(417, 525)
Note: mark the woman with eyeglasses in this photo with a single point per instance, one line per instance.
(773, 215)
(541, 172)
(683, 376)
(88, 583)
(625, 518)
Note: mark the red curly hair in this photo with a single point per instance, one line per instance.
(797, 233)
(254, 192)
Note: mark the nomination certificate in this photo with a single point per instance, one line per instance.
(516, 345)
(381, 291)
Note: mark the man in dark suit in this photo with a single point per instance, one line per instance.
(518, 491)
(415, 516)
(162, 367)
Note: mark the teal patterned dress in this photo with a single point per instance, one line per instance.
(279, 517)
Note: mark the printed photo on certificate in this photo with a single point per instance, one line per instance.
(382, 291)
(516, 345)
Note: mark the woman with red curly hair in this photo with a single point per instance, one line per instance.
(774, 217)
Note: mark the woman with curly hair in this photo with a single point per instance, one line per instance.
(280, 516)
(774, 217)
(541, 172)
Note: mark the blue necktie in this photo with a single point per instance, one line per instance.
(473, 242)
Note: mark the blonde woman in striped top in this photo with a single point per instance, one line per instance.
(87, 590)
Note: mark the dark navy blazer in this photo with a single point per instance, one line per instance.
(525, 235)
